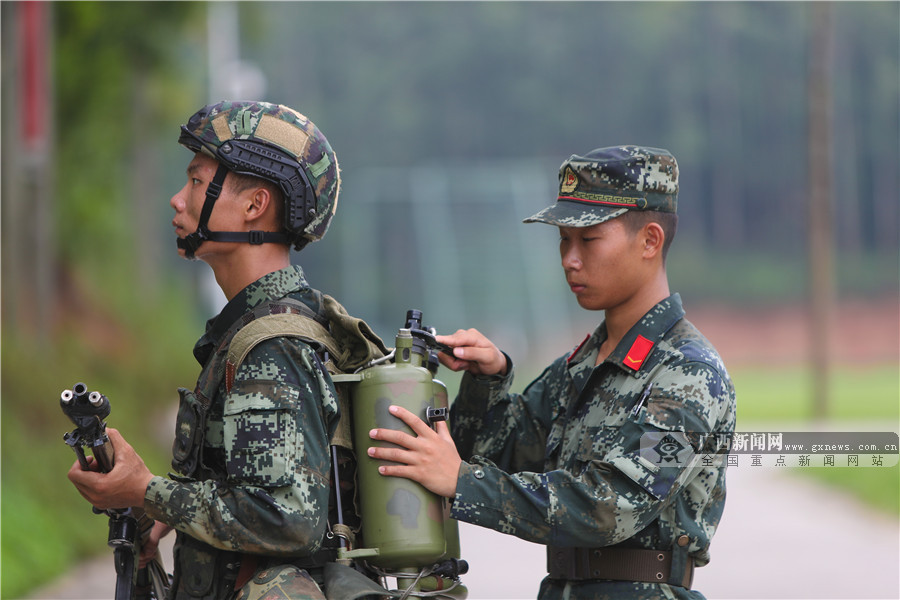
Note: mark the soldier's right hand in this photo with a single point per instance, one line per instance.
(122, 487)
(472, 352)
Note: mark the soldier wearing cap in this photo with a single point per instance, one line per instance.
(599, 458)
(250, 496)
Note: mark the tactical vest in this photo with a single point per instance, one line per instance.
(343, 343)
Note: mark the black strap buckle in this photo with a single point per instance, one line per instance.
(257, 237)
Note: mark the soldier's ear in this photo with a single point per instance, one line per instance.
(653, 238)
(258, 203)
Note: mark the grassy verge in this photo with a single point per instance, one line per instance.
(785, 394)
(862, 399)
(47, 527)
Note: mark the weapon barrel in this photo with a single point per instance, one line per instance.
(129, 528)
(105, 454)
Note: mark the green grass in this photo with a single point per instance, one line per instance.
(876, 487)
(785, 394)
(862, 398)
(47, 527)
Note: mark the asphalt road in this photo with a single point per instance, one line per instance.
(783, 536)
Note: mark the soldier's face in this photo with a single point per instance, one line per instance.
(188, 204)
(602, 264)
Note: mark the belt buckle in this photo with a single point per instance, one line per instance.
(562, 563)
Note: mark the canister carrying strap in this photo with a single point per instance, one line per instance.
(619, 564)
(349, 341)
(280, 325)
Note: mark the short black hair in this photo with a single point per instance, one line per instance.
(634, 220)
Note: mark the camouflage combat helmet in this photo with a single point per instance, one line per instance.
(275, 143)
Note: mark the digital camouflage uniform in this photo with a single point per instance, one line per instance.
(582, 460)
(254, 478)
(560, 464)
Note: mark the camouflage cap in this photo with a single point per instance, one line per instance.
(276, 143)
(607, 182)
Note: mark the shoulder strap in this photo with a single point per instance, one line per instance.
(273, 326)
(349, 341)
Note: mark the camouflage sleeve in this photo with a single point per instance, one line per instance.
(276, 427)
(612, 492)
(508, 429)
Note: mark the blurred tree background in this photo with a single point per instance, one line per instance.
(450, 121)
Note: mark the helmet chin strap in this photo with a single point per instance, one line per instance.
(192, 242)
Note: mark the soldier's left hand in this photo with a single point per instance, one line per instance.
(430, 459)
(122, 487)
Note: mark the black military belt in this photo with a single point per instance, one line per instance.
(618, 564)
(251, 562)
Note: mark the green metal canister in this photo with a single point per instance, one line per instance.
(400, 518)
(451, 526)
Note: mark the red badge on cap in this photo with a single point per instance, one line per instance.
(638, 352)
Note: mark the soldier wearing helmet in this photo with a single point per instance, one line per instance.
(273, 143)
(609, 457)
(250, 498)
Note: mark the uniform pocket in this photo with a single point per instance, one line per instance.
(596, 444)
(262, 441)
(653, 457)
(188, 433)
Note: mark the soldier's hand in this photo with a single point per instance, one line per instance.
(472, 352)
(430, 459)
(150, 547)
(122, 487)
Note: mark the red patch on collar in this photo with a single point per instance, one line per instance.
(637, 353)
(580, 346)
